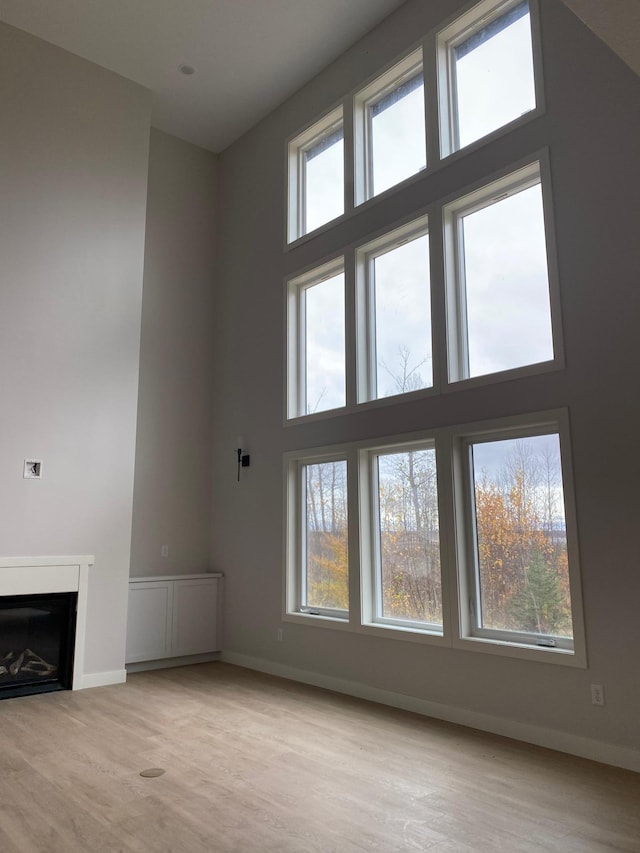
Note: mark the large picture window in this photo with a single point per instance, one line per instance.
(520, 553)
(486, 511)
(499, 289)
(420, 272)
(519, 573)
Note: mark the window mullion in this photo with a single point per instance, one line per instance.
(351, 330)
(431, 110)
(301, 526)
(349, 146)
(462, 336)
(474, 598)
(374, 526)
(438, 296)
(302, 352)
(353, 534)
(449, 559)
(372, 357)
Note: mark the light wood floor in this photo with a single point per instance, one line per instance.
(256, 764)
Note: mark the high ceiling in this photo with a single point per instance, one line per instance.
(249, 55)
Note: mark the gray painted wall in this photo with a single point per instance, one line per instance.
(73, 173)
(172, 494)
(592, 126)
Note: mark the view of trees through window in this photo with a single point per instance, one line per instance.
(409, 537)
(327, 563)
(361, 334)
(521, 536)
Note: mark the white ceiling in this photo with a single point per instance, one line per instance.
(250, 55)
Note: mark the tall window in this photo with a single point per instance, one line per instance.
(441, 282)
(519, 569)
(325, 584)
(499, 280)
(406, 537)
(317, 341)
(395, 297)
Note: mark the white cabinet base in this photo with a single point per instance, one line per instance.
(174, 617)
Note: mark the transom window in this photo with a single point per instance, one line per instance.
(487, 79)
(390, 128)
(316, 175)
(486, 72)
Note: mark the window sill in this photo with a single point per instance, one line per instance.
(506, 648)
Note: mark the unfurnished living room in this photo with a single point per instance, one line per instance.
(319, 392)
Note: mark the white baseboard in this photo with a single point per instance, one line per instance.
(102, 679)
(583, 747)
(169, 663)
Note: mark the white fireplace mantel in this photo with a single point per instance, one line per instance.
(33, 575)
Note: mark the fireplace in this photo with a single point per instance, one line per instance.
(36, 643)
(43, 602)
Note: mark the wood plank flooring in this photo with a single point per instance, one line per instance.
(256, 764)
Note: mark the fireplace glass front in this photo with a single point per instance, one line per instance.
(36, 643)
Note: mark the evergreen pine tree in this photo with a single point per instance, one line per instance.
(539, 604)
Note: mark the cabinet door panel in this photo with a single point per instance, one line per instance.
(195, 617)
(149, 621)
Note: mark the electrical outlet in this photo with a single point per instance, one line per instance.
(164, 551)
(32, 469)
(280, 634)
(597, 694)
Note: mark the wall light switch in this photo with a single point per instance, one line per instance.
(32, 469)
(164, 551)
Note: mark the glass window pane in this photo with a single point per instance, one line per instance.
(409, 540)
(326, 555)
(324, 335)
(323, 181)
(521, 536)
(402, 319)
(494, 82)
(397, 135)
(508, 314)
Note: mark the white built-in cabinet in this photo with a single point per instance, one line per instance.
(174, 616)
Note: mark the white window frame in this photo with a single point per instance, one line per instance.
(365, 310)
(371, 568)
(456, 535)
(296, 148)
(408, 67)
(511, 643)
(295, 538)
(511, 181)
(312, 260)
(459, 30)
(296, 339)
